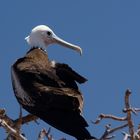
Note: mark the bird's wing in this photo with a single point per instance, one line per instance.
(61, 98)
(64, 70)
(47, 87)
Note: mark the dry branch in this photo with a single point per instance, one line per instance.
(28, 118)
(128, 110)
(109, 131)
(126, 136)
(44, 133)
(109, 116)
(13, 127)
(128, 118)
(11, 130)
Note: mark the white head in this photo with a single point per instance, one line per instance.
(43, 36)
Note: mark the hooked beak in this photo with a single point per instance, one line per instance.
(66, 44)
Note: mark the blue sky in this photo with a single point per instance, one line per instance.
(108, 31)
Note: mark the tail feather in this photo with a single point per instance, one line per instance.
(83, 134)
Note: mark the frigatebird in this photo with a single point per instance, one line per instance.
(49, 89)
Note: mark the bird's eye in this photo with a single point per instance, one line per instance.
(49, 33)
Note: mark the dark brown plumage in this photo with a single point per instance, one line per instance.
(49, 91)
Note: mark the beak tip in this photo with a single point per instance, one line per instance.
(80, 51)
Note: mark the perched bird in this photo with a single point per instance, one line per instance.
(48, 89)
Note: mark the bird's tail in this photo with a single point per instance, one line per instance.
(69, 122)
(84, 135)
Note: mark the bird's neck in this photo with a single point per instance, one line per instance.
(38, 55)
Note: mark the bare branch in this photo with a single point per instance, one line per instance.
(126, 136)
(44, 133)
(109, 131)
(28, 118)
(7, 119)
(129, 119)
(108, 116)
(18, 124)
(11, 131)
(13, 127)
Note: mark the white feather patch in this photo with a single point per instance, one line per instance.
(53, 63)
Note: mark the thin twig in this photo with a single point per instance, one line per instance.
(44, 133)
(126, 136)
(108, 116)
(18, 124)
(28, 118)
(110, 130)
(138, 131)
